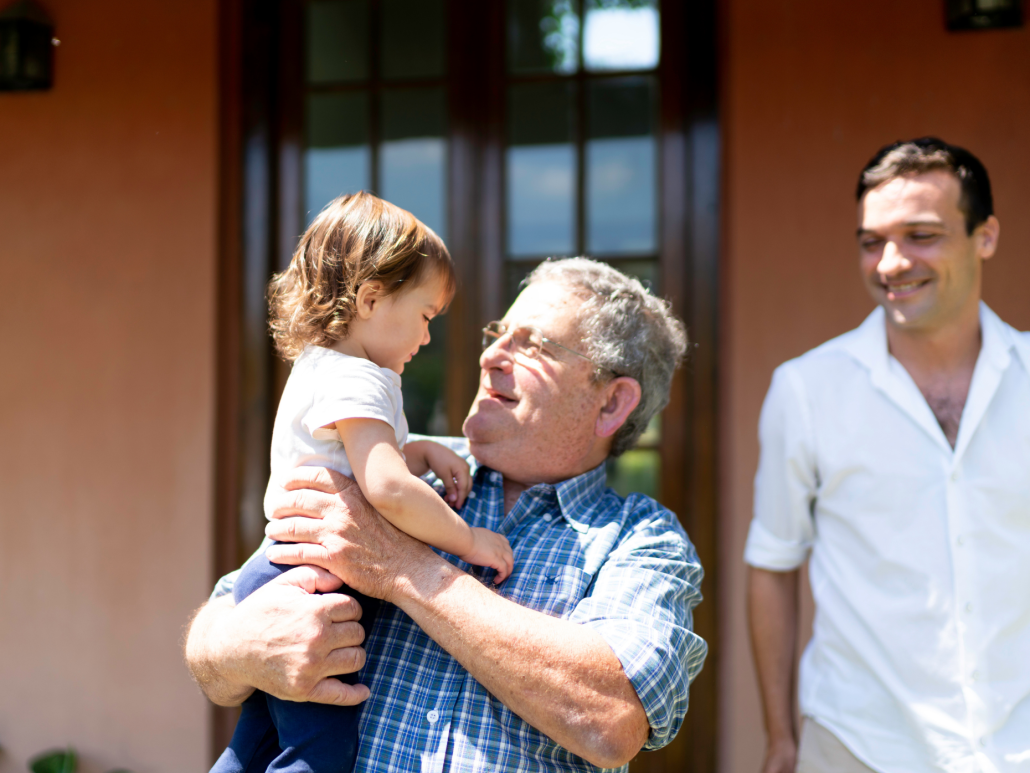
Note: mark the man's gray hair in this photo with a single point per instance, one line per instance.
(625, 329)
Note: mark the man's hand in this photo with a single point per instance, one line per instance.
(332, 525)
(781, 757)
(281, 639)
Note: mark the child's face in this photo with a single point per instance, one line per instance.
(399, 324)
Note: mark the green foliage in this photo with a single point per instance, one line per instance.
(55, 762)
(58, 761)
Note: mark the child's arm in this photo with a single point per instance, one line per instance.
(453, 471)
(409, 503)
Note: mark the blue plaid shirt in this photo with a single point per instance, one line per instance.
(623, 567)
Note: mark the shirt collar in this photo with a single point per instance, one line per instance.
(577, 497)
(868, 343)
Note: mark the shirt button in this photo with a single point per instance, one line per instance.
(547, 516)
(983, 741)
(954, 475)
(961, 540)
(432, 716)
(969, 607)
(472, 495)
(975, 675)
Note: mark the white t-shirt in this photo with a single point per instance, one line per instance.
(324, 387)
(920, 553)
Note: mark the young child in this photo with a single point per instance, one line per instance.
(353, 307)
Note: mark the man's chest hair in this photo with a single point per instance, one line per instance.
(947, 398)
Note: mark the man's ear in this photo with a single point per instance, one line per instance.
(989, 230)
(622, 395)
(368, 295)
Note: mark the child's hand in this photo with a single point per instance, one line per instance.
(490, 549)
(452, 470)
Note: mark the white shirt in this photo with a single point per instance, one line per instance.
(324, 387)
(920, 555)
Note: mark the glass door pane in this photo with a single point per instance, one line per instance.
(541, 170)
(338, 155)
(413, 154)
(620, 35)
(337, 41)
(412, 38)
(543, 36)
(621, 159)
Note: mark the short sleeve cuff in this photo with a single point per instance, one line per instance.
(330, 412)
(765, 550)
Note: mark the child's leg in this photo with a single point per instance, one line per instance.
(317, 737)
(312, 737)
(255, 573)
(255, 742)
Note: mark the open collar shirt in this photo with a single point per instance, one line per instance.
(622, 567)
(919, 553)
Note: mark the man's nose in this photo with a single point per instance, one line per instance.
(892, 261)
(498, 355)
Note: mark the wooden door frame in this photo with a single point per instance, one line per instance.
(260, 158)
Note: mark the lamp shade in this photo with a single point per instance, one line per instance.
(26, 48)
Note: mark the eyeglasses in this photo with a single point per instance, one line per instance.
(528, 341)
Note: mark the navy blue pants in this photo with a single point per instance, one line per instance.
(274, 735)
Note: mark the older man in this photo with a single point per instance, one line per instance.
(898, 457)
(584, 655)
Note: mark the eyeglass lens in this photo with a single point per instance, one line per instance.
(527, 340)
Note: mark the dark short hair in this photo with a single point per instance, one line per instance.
(926, 154)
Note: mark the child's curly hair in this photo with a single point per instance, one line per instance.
(357, 238)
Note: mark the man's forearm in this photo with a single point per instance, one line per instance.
(205, 657)
(560, 677)
(773, 617)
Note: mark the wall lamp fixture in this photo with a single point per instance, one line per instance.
(26, 48)
(984, 14)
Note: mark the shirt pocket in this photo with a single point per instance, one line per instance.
(558, 590)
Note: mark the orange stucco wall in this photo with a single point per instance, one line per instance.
(810, 90)
(108, 193)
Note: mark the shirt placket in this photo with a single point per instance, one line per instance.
(966, 612)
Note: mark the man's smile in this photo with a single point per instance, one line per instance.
(898, 290)
(502, 398)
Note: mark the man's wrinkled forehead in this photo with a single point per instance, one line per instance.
(547, 304)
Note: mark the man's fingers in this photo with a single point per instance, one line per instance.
(303, 502)
(314, 579)
(338, 693)
(295, 529)
(295, 555)
(318, 478)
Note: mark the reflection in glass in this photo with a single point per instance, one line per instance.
(540, 168)
(337, 40)
(412, 39)
(620, 167)
(635, 471)
(413, 154)
(543, 36)
(337, 158)
(620, 35)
